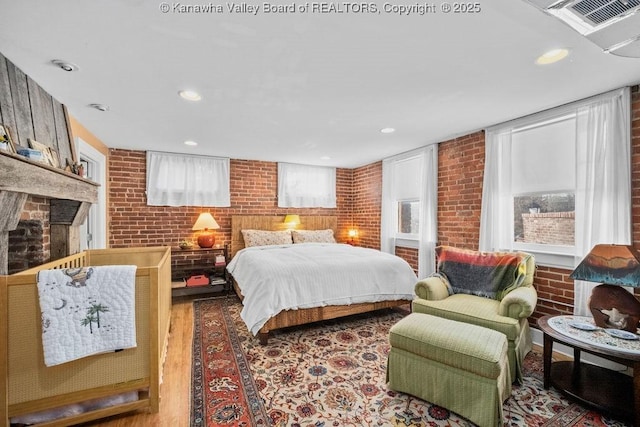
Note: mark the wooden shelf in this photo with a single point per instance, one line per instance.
(21, 175)
(607, 391)
(200, 261)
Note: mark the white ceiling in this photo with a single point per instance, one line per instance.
(296, 87)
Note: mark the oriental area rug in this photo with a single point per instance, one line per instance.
(332, 373)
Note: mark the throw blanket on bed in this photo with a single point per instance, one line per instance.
(487, 274)
(86, 311)
(304, 275)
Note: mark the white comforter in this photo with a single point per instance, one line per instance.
(303, 275)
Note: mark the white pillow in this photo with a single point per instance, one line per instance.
(265, 238)
(313, 236)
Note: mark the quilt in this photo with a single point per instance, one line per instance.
(304, 275)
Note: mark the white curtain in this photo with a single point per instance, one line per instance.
(388, 211)
(496, 192)
(428, 213)
(603, 194)
(303, 186)
(187, 180)
(427, 191)
(603, 179)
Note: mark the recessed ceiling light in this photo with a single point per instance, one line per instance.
(64, 65)
(325, 158)
(100, 107)
(552, 56)
(387, 130)
(190, 95)
(190, 143)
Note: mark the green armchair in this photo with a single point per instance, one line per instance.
(489, 289)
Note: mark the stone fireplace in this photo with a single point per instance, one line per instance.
(68, 196)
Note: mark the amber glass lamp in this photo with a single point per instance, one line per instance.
(206, 223)
(292, 221)
(613, 266)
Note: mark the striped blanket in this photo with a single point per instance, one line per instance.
(486, 274)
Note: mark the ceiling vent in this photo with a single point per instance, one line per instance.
(614, 25)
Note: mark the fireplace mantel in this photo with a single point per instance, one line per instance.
(20, 177)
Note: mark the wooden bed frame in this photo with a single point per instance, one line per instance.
(288, 318)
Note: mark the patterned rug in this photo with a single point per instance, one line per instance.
(332, 373)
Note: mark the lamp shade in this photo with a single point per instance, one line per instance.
(292, 220)
(611, 265)
(205, 222)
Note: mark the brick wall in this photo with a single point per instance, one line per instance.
(30, 242)
(253, 188)
(410, 255)
(460, 173)
(367, 204)
(556, 228)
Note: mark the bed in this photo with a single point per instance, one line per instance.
(28, 386)
(266, 277)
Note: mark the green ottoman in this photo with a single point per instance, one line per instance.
(456, 365)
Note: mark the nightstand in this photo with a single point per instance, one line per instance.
(198, 271)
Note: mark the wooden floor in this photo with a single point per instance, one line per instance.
(176, 381)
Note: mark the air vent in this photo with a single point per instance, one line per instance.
(599, 12)
(614, 25)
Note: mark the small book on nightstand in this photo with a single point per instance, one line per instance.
(218, 281)
(220, 261)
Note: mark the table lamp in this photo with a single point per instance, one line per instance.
(292, 221)
(613, 266)
(206, 222)
(353, 233)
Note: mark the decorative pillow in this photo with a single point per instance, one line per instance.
(313, 236)
(266, 238)
(485, 274)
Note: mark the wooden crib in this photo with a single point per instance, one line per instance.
(28, 386)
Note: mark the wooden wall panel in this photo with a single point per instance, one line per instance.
(21, 105)
(44, 127)
(6, 101)
(63, 130)
(30, 112)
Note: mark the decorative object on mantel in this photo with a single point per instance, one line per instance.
(31, 154)
(74, 168)
(44, 149)
(205, 223)
(613, 266)
(6, 143)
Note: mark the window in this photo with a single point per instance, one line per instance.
(187, 180)
(543, 185)
(302, 186)
(409, 205)
(408, 217)
(557, 182)
(547, 219)
(406, 179)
